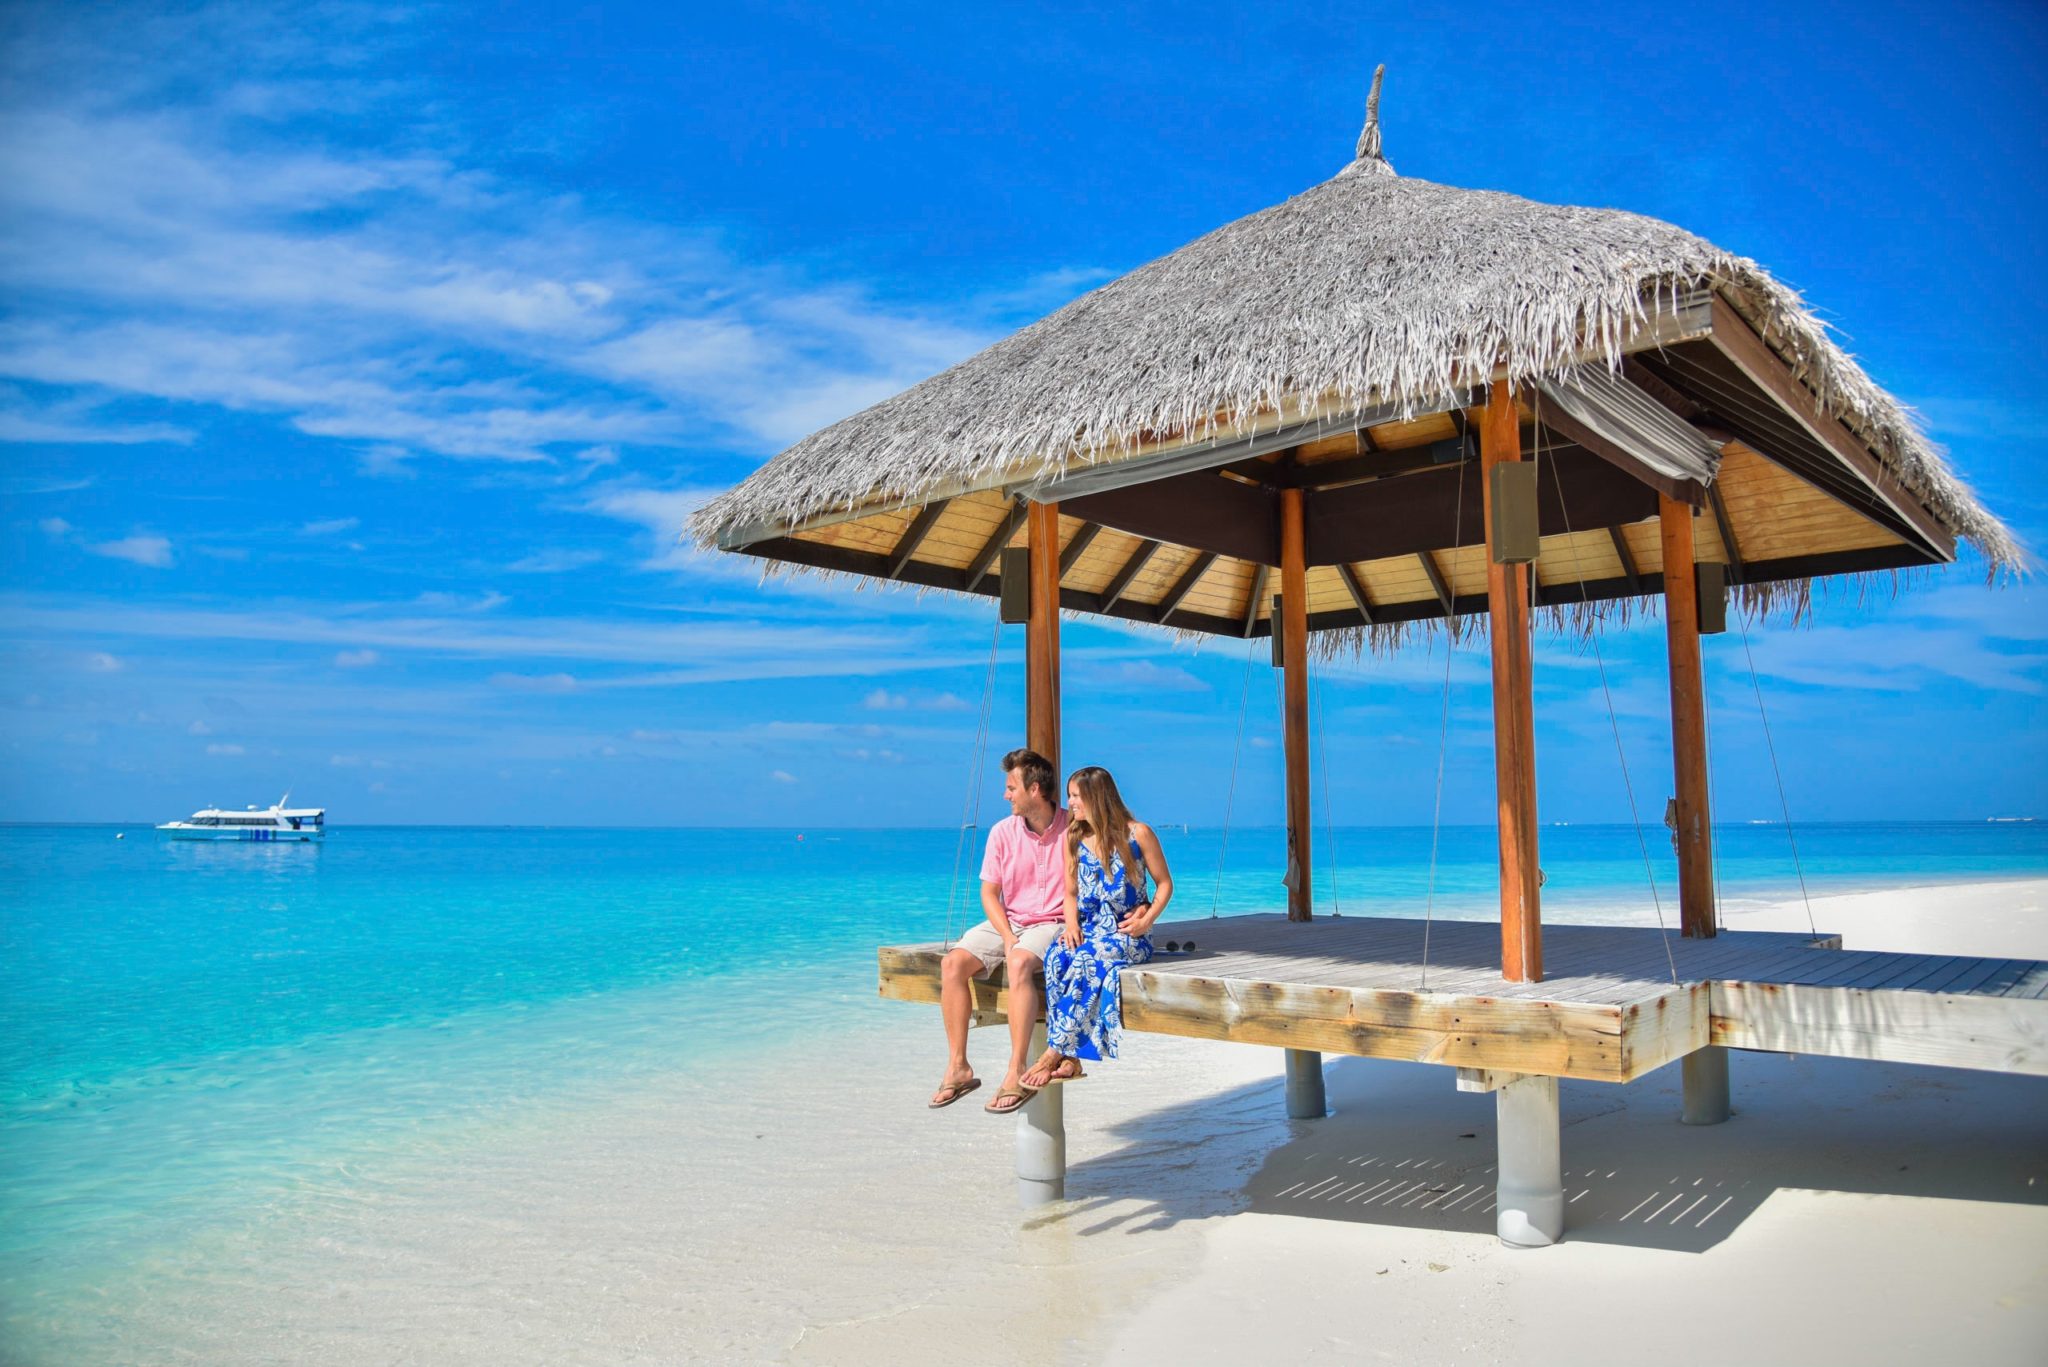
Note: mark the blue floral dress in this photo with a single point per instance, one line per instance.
(1083, 992)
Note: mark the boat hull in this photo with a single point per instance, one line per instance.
(256, 834)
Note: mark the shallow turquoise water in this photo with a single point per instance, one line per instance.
(186, 1028)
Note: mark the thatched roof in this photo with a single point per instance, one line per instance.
(1370, 293)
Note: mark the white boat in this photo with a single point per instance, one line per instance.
(279, 822)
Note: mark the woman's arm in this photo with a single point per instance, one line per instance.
(1142, 920)
(1072, 934)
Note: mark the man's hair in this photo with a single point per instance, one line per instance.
(1034, 771)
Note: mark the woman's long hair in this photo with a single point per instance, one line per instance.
(1108, 828)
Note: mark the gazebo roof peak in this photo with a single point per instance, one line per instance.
(1368, 160)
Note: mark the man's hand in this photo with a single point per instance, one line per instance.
(1137, 920)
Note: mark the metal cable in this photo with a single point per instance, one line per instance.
(1316, 683)
(1613, 722)
(1230, 800)
(1784, 807)
(1443, 737)
(972, 802)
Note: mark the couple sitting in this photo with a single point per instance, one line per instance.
(1065, 889)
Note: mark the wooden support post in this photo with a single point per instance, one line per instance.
(1530, 1198)
(1688, 722)
(1305, 1099)
(1514, 713)
(1042, 634)
(1294, 687)
(1041, 1140)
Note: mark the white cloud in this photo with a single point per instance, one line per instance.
(54, 526)
(225, 750)
(330, 526)
(398, 298)
(199, 728)
(553, 561)
(99, 662)
(141, 549)
(535, 683)
(782, 776)
(355, 659)
(882, 700)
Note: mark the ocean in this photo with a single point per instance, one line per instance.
(196, 1036)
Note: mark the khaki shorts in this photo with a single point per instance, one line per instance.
(984, 944)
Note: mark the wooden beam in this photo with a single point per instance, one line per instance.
(1736, 340)
(1183, 586)
(1084, 537)
(1357, 587)
(1438, 582)
(1627, 559)
(913, 537)
(1251, 602)
(1514, 713)
(1688, 722)
(1145, 551)
(1042, 634)
(993, 547)
(1201, 510)
(1727, 530)
(1294, 693)
(1427, 511)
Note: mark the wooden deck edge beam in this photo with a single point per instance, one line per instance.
(1736, 340)
(1998, 1034)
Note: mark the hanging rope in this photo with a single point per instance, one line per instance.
(1613, 723)
(1443, 736)
(1316, 681)
(1784, 807)
(1230, 800)
(970, 806)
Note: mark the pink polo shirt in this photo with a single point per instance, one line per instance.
(1030, 869)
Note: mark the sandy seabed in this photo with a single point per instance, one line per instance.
(807, 1208)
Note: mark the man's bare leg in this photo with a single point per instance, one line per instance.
(957, 972)
(1021, 966)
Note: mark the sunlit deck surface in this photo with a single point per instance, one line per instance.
(1615, 1002)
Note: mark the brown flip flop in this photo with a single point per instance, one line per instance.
(1023, 1094)
(953, 1091)
(1060, 1074)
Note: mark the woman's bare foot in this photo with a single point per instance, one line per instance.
(1042, 1072)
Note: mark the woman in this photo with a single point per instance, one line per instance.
(1108, 915)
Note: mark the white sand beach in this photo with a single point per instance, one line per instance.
(810, 1210)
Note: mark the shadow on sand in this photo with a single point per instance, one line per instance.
(1404, 1148)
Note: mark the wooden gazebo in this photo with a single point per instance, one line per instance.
(1386, 406)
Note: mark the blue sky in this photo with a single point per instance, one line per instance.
(359, 364)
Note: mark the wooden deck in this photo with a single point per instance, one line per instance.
(1616, 1002)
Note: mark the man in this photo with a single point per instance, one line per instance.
(1024, 897)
